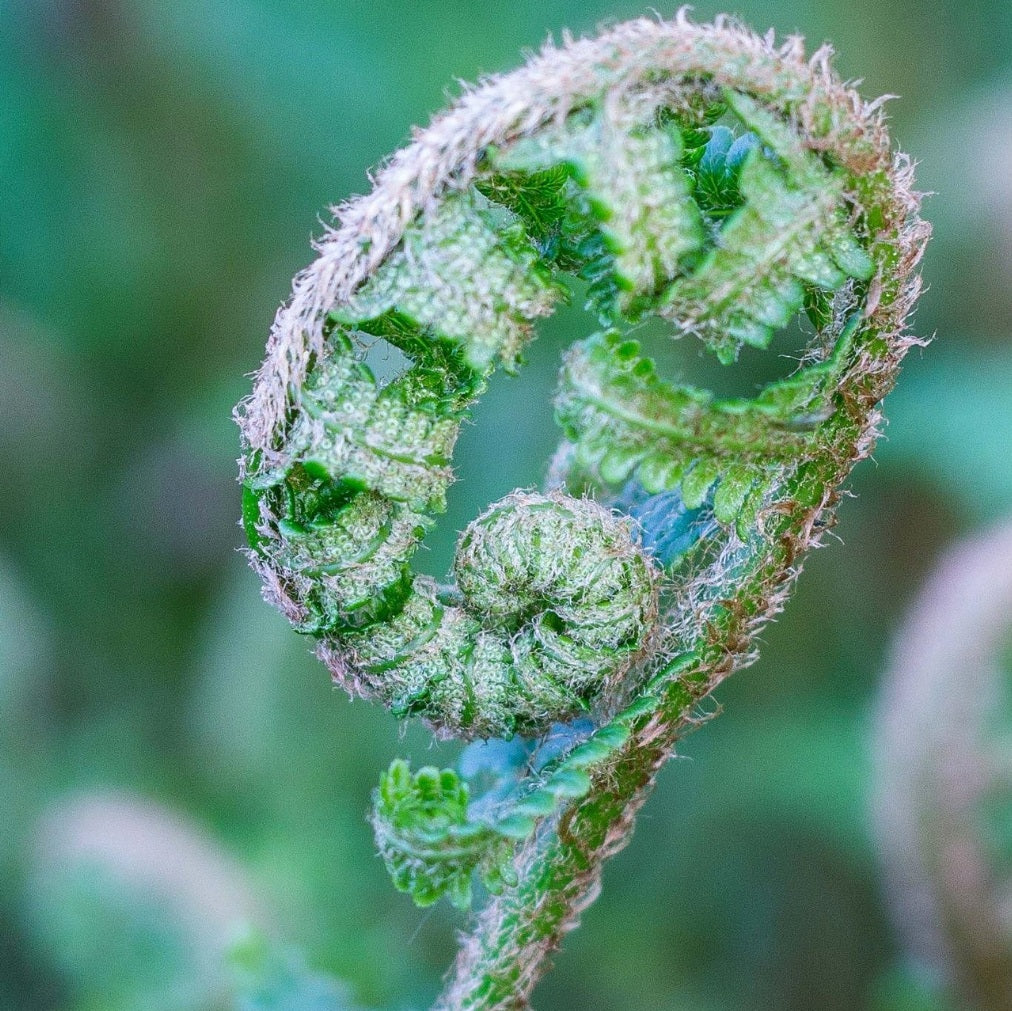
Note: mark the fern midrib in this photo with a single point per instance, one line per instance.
(682, 436)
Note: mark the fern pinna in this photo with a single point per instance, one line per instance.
(699, 174)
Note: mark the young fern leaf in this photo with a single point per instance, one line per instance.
(697, 174)
(790, 230)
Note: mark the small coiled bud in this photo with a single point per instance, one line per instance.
(554, 604)
(563, 578)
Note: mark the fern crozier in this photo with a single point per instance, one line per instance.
(700, 175)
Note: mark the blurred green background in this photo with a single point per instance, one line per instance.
(163, 167)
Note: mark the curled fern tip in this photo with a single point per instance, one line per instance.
(700, 176)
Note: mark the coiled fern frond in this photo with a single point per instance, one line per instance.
(701, 175)
(943, 782)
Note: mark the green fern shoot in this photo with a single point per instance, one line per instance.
(701, 175)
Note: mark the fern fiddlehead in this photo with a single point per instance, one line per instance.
(697, 174)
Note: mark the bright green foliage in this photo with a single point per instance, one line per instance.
(429, 846)
(158, 163)
(790, 231)
(539, 199)
(716, 169)
(625, 421)
(412, 422)
(627, 222)
(432, 841)
(531, 637)
(468, 274)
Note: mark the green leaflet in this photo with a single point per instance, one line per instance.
(624, 421)
(541, 200)
(470, 276)
(350, 426)
(431, 841)
(716, 163)
(429, 846)
(790, 231)
(628, 220)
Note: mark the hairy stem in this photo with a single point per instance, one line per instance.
(560, 872)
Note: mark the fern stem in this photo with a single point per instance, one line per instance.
(499, 964)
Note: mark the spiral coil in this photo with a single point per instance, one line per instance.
(664, 212)
(699, 175)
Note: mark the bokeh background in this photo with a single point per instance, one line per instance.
(172, 760)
